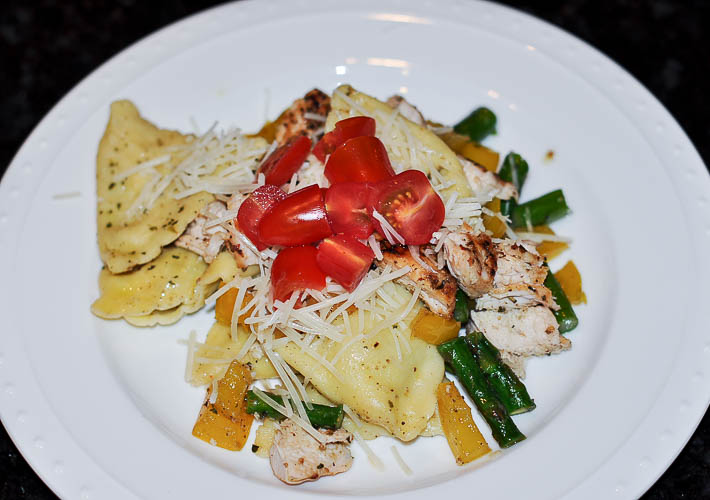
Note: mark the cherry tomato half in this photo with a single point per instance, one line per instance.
(299, 219)
(285, 160)
(344, 130)
(344, 259)
(253, 209)
(362, 159)
(410, 205)
(295, 268)
(347, 207)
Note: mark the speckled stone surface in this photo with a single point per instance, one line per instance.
(48, 46)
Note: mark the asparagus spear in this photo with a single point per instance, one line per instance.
(462, 309)
(514, 169)
(543, 210)
(565, 316)
(478, 125)
(321, 416)
(506, 385)
(459, 357)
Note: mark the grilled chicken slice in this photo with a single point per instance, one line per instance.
(438, 287)
(515, 362)
(495, 271)
(294, 122)
(206, 242)
(518, 280)
(485, 184)
(296, 456)
(472, 260)
(516, 296)
(531, 331)
(518, 262)
(407, 110)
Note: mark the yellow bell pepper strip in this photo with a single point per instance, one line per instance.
(472, 151)
(465, 440)
(571, 282)
(225, 422)
(549, 249)
(224, 307)
(493, 223)
(434, 329)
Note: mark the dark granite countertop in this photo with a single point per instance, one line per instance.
(47, 46)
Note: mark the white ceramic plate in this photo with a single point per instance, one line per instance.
(100, 409)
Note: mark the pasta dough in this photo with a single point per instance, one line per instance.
(397, 394)
(161, 291)
(131, 235)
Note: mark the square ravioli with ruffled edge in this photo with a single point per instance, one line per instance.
(152, 185)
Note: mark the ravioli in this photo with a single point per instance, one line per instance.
(427, 152)
(129, 235)
(220, 349)
(398, 395)
(162, 291)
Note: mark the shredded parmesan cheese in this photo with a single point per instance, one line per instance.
(540, 237)
(398, 458)
(390, 232)
(213, 393)
(146, 165)
(371, 456)
(314, 116)
(414, 251)
(67, 195)
(190, 356)
(353, 416)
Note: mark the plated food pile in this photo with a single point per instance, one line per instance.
(350, 249)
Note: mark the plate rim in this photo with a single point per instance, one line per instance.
(34, 140)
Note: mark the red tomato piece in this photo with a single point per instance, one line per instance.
(299, 219)
(344, 259)
(410, 205)
(325, 146)
(344, 130)
(362, 159)
(253, 209)
(295, 268)
(347, 207)
(285, 160)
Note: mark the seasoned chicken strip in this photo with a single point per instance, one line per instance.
(518, 262)
(438, 287)
(531, 331)
(516, 296)
(485, 184)
(518, 280)
(515, 362)
(407, 110)
(294, 122)
(472, 260)
(500, 273)
(296, 456)
(206, 242)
